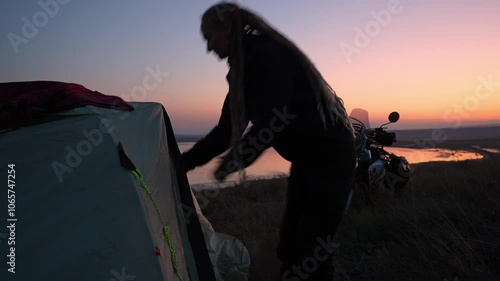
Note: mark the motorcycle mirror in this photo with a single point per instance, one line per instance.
(394, 117)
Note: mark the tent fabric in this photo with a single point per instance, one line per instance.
(81, 216)
(195, 230)
(229, 256)
(230, 260)
(24, 102)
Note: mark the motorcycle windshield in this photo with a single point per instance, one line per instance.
(359, 115)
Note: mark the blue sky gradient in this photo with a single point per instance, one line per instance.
(427, 58)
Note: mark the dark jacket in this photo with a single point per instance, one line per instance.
(284, 115)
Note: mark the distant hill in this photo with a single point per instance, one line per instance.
(477, 132)
(188, 138)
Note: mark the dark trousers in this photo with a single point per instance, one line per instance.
(316, 200)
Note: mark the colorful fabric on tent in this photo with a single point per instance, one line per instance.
(24, 103)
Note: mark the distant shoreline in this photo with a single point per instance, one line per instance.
(472, 145)
(461, 133)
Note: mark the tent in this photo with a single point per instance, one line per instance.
(99, 193)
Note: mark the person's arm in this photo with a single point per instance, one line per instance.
(270, 84)
(213, 144)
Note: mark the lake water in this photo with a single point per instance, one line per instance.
(271, 164)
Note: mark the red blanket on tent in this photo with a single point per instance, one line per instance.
(22, 103)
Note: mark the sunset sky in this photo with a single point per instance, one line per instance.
(438, 64)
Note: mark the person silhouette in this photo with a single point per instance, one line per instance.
(275, 87)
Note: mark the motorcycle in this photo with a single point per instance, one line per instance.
(375, 165)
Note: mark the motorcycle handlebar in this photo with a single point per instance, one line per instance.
(381, 136)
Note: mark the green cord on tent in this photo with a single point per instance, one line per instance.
(166, 230)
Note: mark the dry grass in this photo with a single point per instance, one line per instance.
(444, 226)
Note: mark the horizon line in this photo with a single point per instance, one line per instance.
(405, 129)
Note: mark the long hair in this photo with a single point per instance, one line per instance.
(330, 106)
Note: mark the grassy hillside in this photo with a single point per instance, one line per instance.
(444, 226)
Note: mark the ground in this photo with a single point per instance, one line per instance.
(445, 225)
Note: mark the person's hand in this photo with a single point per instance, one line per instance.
(221, 173)
(227, 166)
(220, 176)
